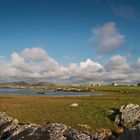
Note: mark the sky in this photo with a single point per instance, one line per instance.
(70, 41)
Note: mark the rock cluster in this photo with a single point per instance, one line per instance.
(11, 129)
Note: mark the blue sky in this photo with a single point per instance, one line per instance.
(65, 29)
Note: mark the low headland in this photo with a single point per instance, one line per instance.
(74, 88)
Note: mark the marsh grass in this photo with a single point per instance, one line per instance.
(92, 110)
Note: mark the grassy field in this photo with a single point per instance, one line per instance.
(123, 89)
(92, 111)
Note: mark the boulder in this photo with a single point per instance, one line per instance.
(7, 125)
(11, 129)
(53, 131)
(136, 127)
(129, 120)
(75, 135)
(74, 105)
(56, 131)
(24, 132)
(130, 115)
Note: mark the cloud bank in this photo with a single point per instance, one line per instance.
(34, 64)
(107, 37)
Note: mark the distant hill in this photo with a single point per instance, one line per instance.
(16, 83)
(28, 84)
(43, 84)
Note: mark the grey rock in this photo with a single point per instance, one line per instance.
(7, 125)
(11, 129)
(129, 118)
(136, 127)
(34, 132)
(74, 135)
(56, 131)
(118, 120)
(129, 115)
(23, 132)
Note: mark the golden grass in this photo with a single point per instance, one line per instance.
(92, 110)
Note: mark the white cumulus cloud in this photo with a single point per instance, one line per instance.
(117, 63)
(107, 37)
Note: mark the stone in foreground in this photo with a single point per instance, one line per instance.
(129, 115)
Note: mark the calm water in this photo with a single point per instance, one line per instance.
(47, 92)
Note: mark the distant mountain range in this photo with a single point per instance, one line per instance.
(28, 84)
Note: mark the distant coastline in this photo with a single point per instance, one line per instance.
(124, 89)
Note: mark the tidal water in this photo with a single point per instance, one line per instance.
(45, 92)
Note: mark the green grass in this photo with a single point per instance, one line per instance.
(92, 111)
(107, 88)
(129, 89)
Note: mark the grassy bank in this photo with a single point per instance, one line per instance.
(92, 111)
(107, 88)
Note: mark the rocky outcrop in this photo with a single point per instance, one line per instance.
(7, 125)
(11, 129)
(75, 135)
(128, 118)
(34, 132)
